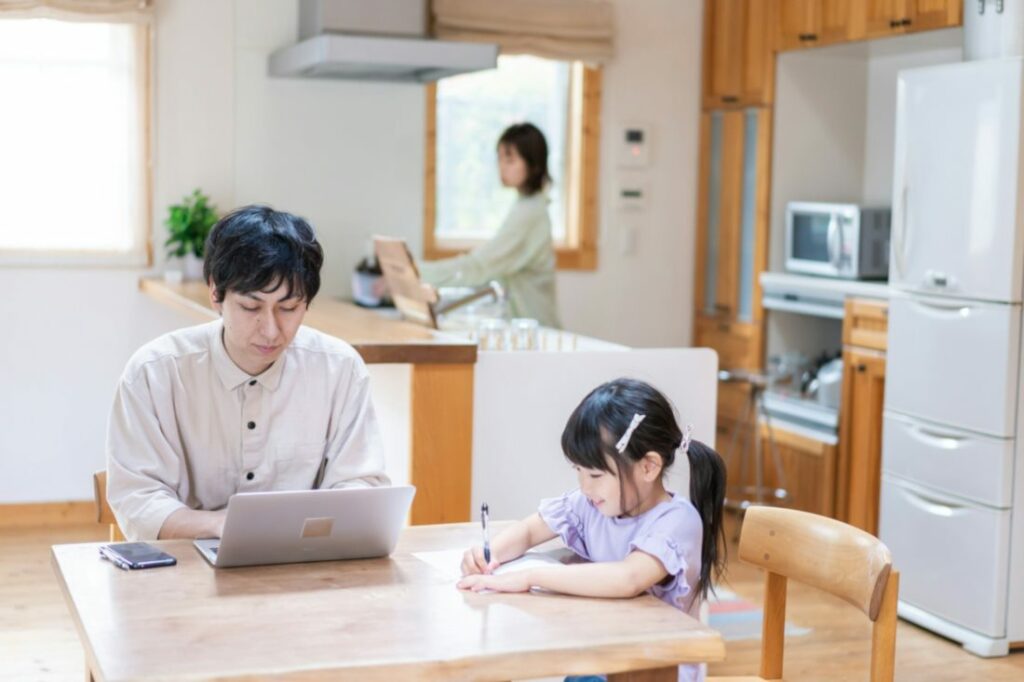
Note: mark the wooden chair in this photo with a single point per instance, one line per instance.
(104, 514)
(831, 556)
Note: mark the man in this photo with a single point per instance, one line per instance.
(252, 401)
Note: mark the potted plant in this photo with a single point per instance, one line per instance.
(188, 223)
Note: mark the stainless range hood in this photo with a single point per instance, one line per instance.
(377, 40)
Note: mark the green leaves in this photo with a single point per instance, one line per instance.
(188, 224)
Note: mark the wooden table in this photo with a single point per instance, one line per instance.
(442, 389)
(382, 619)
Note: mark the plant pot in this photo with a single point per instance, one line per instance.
(192, 267)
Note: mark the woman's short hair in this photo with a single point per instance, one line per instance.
(529, 143)
(255, 248)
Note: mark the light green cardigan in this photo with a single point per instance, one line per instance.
(521, 256)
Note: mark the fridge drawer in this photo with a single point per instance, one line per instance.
(954, 362)
(968, 465)
(953, 557)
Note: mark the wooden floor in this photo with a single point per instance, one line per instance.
(38, 641)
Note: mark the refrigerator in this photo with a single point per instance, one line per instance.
(952, 501)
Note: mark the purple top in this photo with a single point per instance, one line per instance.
(671, 532)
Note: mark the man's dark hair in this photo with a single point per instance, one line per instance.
(255, 248)
(529, 143)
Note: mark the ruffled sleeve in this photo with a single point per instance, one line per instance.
(562, 514)
(673, 557)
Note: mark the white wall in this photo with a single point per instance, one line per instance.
(646, 298)
(349, 157)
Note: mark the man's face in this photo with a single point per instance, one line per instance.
(259, 325)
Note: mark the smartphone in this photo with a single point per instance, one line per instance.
(136, 555)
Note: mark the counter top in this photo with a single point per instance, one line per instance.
(817, 296)
(376, 338)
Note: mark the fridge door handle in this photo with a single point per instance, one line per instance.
(931, 505)
(944, 309)
(899, 236)
(946, 441)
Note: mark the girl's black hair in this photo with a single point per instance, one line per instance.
(255, 247)
(529, 143)
(598, 422)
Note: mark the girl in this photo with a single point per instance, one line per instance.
(521, 255)
(639, 536)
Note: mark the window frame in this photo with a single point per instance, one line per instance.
(580, 251)
(143, 255)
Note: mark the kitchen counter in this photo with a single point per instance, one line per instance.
(377, 337)
(819, 296)
(441, 389)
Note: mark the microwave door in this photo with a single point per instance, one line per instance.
(814, 246)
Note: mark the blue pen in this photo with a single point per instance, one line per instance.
(484, 511)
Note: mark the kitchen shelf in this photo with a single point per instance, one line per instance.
(815, 296)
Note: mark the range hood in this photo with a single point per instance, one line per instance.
(376, 40)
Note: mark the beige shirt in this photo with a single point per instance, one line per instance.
(521, 256)
(190, 429)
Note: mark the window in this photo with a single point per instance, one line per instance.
(74, 141)
(465, 202)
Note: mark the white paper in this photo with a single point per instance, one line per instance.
(449, 562)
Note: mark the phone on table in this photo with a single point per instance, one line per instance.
(135, 555)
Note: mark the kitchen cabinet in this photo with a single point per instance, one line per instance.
(732, 217)
(812, 23)
(732, 213)
(859, 468)
(739, 64)
(808, 468)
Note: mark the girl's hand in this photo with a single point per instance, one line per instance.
(473, 562)
(517, 581)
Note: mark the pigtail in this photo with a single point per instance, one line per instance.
(707, 494)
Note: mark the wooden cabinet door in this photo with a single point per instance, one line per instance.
(732, 214)
(738, 52)
(841, 21)
(808, 469)
(860, 438)
(883, 17)
(758, 74)
(718, 213)
(926, 15)
(724, 33)
(799, 23)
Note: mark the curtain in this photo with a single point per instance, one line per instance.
(567, 30)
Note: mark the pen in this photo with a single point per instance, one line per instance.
(484, 511)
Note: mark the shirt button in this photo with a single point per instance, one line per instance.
(249, 476)
(251, 425)
(252, 383)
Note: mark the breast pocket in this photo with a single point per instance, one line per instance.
(297, 465)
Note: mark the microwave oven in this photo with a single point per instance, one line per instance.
(837, 240)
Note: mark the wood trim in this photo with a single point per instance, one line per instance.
(762, 208)
(583, 255)
(147, 66)
(701, 228)
(431, 250)
(786, 438)
(48, 514)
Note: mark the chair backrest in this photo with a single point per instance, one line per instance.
(104, 514)
(831, 556)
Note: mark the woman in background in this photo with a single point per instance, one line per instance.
(521, 256)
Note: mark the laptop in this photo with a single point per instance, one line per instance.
(296, 526)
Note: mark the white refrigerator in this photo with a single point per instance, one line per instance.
(952, 506)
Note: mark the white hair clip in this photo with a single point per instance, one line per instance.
(687, 437)
(624, 441)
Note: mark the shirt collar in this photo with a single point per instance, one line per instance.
(233, 376)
